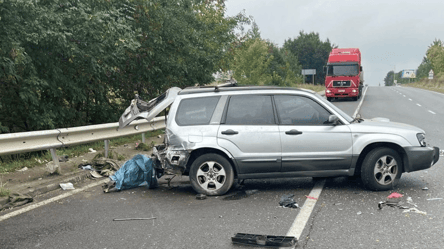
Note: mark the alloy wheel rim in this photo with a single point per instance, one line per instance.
(385, 170)
(211, 176)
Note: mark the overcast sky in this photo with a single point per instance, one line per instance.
(389, 33)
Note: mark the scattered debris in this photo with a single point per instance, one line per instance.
(125, 145)
(15, 200)
(240, 194)
(109, 187)
(201, 197)
(143, 147)
(91, 150)
(66, 186)
(135, 172)
(287, 201)
(159, 136)
(359, 213)
(311, 197)
(425, 188)
(264, 240)
(95, 174)
(414, 210)
(63, 158)
(125, 219)
(86, 167)
(395, 195)
(434, 199)
(410, 201)
(23, 169)
(52, 168)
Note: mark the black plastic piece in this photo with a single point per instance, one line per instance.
(264, 240)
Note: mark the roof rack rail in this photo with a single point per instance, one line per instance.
(229, 83)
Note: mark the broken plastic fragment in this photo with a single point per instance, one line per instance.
(201, 197)
(288, 201)
(434, 199)
(241, 194)
(91, 150)
(359, 213)
(311, 197)
(395, 195)
(425, 188)
(66, 186)
(414, 210)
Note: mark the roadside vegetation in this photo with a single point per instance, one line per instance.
(433, 60)
(14, 162)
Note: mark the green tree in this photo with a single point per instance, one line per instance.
(388, 80)
(311, 52)
(250, 63)
(435, 54)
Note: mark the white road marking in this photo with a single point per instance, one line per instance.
(301, 220)
(56, 198)
(418, 104)
(410, 99)
(432, 112)
(360, 103)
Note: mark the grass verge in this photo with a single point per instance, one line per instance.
(433, 85)
(32, 159)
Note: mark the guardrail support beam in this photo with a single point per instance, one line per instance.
(106, 147)
(55, 160)
(143, 137)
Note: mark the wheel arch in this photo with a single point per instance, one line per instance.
(206, 150)
(372, 146)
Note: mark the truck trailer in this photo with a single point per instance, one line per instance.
(344, 75)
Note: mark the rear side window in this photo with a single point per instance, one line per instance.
(250, 110)
(196, 111)
(298, 110)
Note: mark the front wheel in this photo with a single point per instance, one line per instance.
(381, 169)
(329, 99)
(211, 174)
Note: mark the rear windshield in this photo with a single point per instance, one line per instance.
(196, 111)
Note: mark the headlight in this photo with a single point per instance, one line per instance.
(328, 91)
(354, 90)
(421, 139)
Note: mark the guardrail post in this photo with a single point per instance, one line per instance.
(106, 147)
(55, 160)
(143, 137)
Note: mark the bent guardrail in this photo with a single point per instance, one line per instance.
(52, 139)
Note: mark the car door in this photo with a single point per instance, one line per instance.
(309, 141)
(249, 131)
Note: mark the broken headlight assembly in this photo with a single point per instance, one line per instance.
(421, 139)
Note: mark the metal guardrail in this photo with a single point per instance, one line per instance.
(51, 139)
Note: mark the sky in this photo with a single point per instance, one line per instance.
(391, 34)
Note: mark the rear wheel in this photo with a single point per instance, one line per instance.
(211, 174)
(381, 169)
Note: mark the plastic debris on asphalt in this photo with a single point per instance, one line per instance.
(425, 188)
(22, 169)
(311, 197)
(66, 186)
(91, 150)
(201, 197)
(434, 199)
(264, 240)
(410, 201)
(395, 195)
(287, 201)
(414, 210)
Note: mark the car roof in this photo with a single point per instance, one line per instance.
(234, 88)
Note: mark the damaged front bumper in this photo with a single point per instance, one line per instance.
(420, 158)
(170, 160)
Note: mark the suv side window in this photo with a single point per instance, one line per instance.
(250, 110)
(196, 111)
(299, 110)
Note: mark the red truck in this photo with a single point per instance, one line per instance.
(344, 75)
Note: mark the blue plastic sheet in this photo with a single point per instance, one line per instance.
(138, 171)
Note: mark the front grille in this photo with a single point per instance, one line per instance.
(341, 83)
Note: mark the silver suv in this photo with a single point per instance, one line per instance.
(218, 134)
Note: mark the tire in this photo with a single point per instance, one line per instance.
(329, 99)
(355, 98)
(381, 169)
(211, 174)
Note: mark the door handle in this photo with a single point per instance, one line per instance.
(229, 132)
(293, 132)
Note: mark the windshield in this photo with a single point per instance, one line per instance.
(342, 70)
(343, 114)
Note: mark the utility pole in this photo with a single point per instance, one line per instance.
(394, 76)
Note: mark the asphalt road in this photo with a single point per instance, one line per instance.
(345, 216)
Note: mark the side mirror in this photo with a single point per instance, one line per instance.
(361, 68)
(333, 119)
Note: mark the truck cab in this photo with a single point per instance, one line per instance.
(344, 74)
